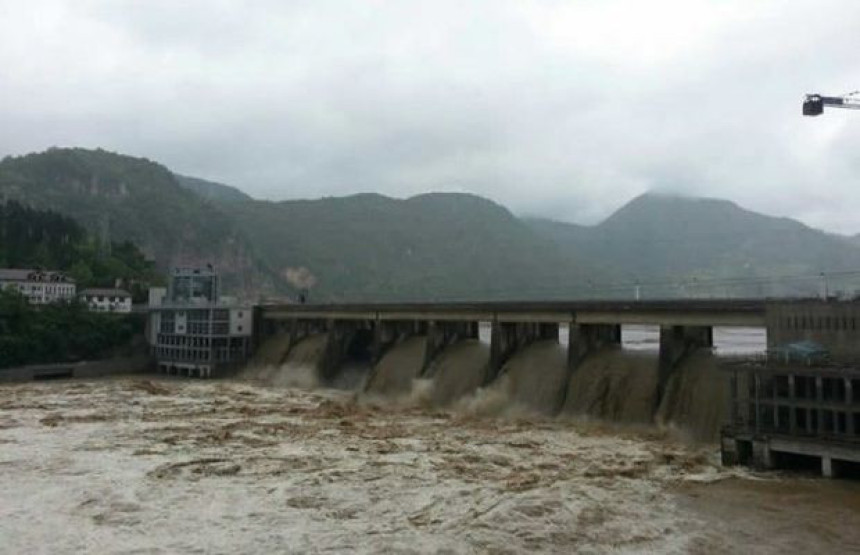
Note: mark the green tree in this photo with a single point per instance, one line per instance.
(81, 273)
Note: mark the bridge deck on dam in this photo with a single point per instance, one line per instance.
(699, 312)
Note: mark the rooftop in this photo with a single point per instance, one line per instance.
(25, 274)
(104, 292)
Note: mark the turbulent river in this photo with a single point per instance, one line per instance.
(272, 462)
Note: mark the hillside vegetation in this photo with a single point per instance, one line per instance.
(430, 247)
(672, 238)
(60, 332)
(440, 246)
(32, 238)
(131, 199)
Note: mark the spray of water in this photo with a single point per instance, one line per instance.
(612, 385)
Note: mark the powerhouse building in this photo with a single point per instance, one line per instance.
(193, 331)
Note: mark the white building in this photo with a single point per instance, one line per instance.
(193, 331)
(106, 300)
(38, 286)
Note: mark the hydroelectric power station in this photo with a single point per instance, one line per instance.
(767, 411)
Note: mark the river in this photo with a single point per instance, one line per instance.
(276, 463)
(165, 466)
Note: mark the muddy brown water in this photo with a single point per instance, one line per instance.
(174, 465)
(781, 514)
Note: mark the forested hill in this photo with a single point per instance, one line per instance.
(666, 237)
(429, 247)
(43, 239)
(211, 190)
(133, 199)
(440, 246)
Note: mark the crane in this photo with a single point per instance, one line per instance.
(813, 104)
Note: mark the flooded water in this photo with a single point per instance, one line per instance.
(400, 366)
(423, 462)
(167, 466)
(458, 372)
(614, 385)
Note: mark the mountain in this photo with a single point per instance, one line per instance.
(364, 247)
(136, 200)
(440, 246)
(210, 190)
(660, 237)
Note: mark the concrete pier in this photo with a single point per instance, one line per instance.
(677, 343)
(583, 339)
(347, 339)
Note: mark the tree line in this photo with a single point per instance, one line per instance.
(60, 332)
(44, 239)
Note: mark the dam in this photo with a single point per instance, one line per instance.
(566, 359)
(547, 358)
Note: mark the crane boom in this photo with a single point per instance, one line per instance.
(813, 104)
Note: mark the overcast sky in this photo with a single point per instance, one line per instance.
(565, 109)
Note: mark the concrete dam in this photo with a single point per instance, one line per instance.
(515, 358)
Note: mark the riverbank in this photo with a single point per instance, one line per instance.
(86, 369)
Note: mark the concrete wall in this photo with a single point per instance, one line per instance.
(241, 321)
(86, 369)
(835, 325)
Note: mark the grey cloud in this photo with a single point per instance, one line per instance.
(563, 109)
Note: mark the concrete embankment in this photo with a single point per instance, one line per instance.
(85, 369)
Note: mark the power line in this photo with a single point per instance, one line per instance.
(686, 287)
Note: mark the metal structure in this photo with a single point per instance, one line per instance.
(813, 104)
